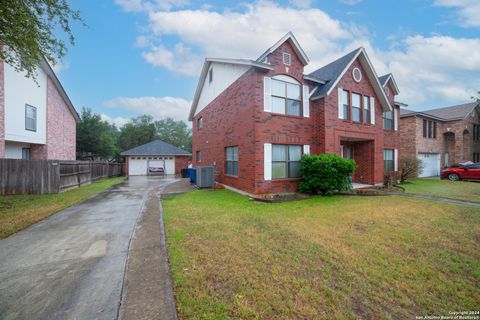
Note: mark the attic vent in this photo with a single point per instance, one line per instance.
(287, 59)
(357, 74)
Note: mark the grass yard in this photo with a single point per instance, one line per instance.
(339, 257)
(461, 190)
(20, 211)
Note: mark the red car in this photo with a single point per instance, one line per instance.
(462, 172)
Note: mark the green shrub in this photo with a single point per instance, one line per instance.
(325, 173)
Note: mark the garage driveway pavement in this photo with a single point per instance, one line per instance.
(71, 265)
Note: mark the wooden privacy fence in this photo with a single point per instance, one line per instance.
(51, 176)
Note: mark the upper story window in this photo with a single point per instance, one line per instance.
(429, 129)
(357, 74)
(200, 123)
(286, 161)
(231, 163)
(286, 98)
(346, 104)
(476, 132)
(30, 118)
(366, 109)
(356, 108)
(388, 120)
(210, 75)
(287, 58)
(198, 156)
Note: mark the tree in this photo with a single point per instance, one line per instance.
(96, 138)
(138, 131)
(27, 32)
(174, 132)
(476, 98)
(410, 167)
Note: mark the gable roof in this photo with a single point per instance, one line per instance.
(389, 77)
(296, 47)
(49, 71)
(457, 112)
(154, 148)
(206, 67)
(334, 71)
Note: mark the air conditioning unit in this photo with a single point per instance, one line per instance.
(205, 177)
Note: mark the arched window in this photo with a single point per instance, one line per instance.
(286, 95)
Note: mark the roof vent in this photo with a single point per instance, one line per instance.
(287, 59)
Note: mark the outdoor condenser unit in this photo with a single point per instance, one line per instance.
(204, 177)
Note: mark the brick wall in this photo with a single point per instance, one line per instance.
(181, 162)
(2, 111)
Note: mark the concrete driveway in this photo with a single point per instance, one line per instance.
(72, 265)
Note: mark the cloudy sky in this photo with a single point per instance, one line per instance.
(144, 56)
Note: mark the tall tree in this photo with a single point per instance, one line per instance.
(138, 131)
(96, 138)
(174, 132)
(477, 97)
(27, 30)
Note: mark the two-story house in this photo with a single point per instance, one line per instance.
(37, 120)
(254, 119)
(441, 137)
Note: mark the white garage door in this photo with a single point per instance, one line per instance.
(431, 164)
(137, 166)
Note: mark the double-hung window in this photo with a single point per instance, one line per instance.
(30, 118)
(286, 161)
(388, 120)
(356, 108)
(388, 160)
(286, 98)
(429, 129)
(366, 109)
(346, 105)
(231, 164)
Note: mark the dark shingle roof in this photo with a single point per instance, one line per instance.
(448, 113)
(332, 71)
(156, 147)
(383, 79)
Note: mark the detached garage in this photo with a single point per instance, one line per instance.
(155, 158)
(431, 164)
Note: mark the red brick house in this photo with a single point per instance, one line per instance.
(254, 119)
(37, 120)
(442, 136)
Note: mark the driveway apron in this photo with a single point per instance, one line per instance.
(71, 265)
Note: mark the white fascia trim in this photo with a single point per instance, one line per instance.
(296, 46)
(307, 77)
(380, 93)
(206, 67)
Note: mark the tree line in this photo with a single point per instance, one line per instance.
(98, 139)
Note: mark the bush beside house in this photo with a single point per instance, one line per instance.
(325, 173)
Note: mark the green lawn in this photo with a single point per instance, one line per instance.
(339, 257)
(20, 211)
(461, 190)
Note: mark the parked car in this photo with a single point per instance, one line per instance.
(462, 172)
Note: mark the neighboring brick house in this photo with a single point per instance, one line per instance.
(254, 119)
(441, 137)
(37, 120)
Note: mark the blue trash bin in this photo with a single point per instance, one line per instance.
(192, 173)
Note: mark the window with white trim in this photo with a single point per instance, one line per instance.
(231, 162)
(388, 163)
(357, 74)
(286, 98)
(388, 120)
(346, 105)
(30, 118)
(356, 108)
(286, 161)
(366, 109)
(200, 123)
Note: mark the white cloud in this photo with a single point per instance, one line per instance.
(180, 60)
(300, 3)
(158, 107)
(142, 5)
(436, 69)
(468, 11)
(60, 66)
(118, 121)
